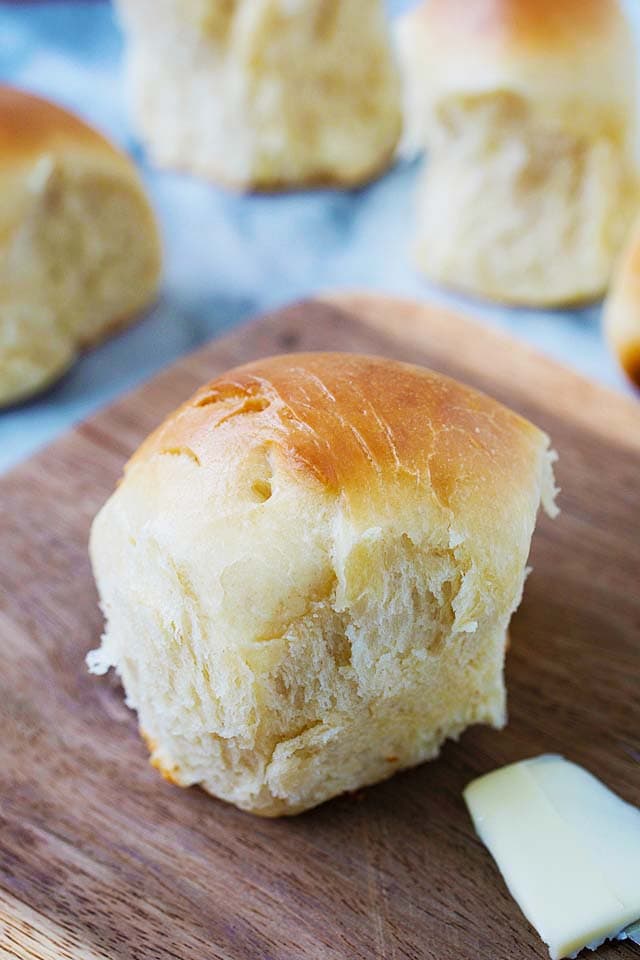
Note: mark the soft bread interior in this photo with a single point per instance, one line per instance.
(81, 258)
(517, 211)
(263, 93)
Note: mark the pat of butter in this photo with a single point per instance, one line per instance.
(567, 847)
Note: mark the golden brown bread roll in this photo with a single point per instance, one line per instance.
(264, 94)
(79, 248)
(622, 309)
(528, 111)
(308, 571)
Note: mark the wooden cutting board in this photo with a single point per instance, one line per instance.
(100, 858)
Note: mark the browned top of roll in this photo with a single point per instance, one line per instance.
(531, 24)
(31, 126)
(365, 428)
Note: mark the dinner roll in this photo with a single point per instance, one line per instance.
(528, 110)
(264, 94)
(79, 249)
(622, 309)
(308, 571)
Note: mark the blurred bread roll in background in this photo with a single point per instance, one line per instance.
(308, 572)
(264, 94)
(79, 248)
(622, 309)
(528, 111)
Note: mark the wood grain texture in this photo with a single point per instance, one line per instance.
(100, 857)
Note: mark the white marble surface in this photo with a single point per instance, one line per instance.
(228, 257)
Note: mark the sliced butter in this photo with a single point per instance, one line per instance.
(567, 847)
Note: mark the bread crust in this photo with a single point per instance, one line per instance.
(31, 127)
(524, 25)
(357, 425)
